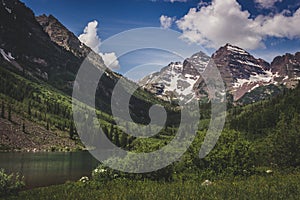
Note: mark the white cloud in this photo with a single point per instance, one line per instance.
(221, 22)
(267, 3)
(90, 36)
(110, 60)
(224, 21)
(91, 39)
(166, 22)
(281, 26)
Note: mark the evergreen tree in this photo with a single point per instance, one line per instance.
(111, 133)
(29, 109)
(9, 112)
(23, 127)
(2, 110)
(47, 127)
(117, 139)
(105, 131)
(123, 140)
(286, 142)
(71, 133)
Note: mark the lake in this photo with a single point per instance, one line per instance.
(49, 168)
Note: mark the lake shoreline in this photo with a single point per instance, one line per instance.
(34, 150)
(41, 169)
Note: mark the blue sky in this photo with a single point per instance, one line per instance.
(266, 28)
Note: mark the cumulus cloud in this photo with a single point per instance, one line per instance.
(90, 36)
(281, 26)
(91, 39)
(221, 22)
(224, 21)
(110, 60)
(267, 3)
(166, 22)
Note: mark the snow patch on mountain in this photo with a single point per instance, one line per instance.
(177, 80)
(249, 63)
(236, 50)
(256, 78)
(8, 10)
(7, 56)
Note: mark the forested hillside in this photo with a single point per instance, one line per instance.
(273, 126)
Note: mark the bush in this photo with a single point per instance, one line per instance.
(232, 155)
(10, 183)
(103, 173)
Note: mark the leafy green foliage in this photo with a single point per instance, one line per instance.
(10, 184)
(232, 155)
(281, 147)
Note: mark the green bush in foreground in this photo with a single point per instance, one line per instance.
(10, 183)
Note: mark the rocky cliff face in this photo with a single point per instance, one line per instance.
(62, 36)
(286, 69)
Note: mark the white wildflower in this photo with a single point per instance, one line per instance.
(206, 183)
(84, 179)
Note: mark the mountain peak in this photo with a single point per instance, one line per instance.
(177, 80)
(60, 35)
(235, 49)
(199, 55)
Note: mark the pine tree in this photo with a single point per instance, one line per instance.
(9, 112)
(105, 131)
(71, 133)
(123, 140)
(2, 110)
(64, 126)
(48, 126)
(29, 109)
(23, 127)
(117, 139)
(111, 133)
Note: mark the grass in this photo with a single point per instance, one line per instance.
(277, 186)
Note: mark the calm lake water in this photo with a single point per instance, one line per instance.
(49, 168)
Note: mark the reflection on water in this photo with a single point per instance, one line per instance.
(48, 168)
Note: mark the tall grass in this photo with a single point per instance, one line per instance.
(254, 187)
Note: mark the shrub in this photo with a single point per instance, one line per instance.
(10, 183)
(103, 173)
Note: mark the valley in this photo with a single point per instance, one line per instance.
(257, 155)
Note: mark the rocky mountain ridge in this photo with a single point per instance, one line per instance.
(177, 79)
(242, 73)
(62, 36)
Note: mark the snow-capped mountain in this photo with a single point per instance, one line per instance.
(242, 74)
(177, 80)
(241, 71)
